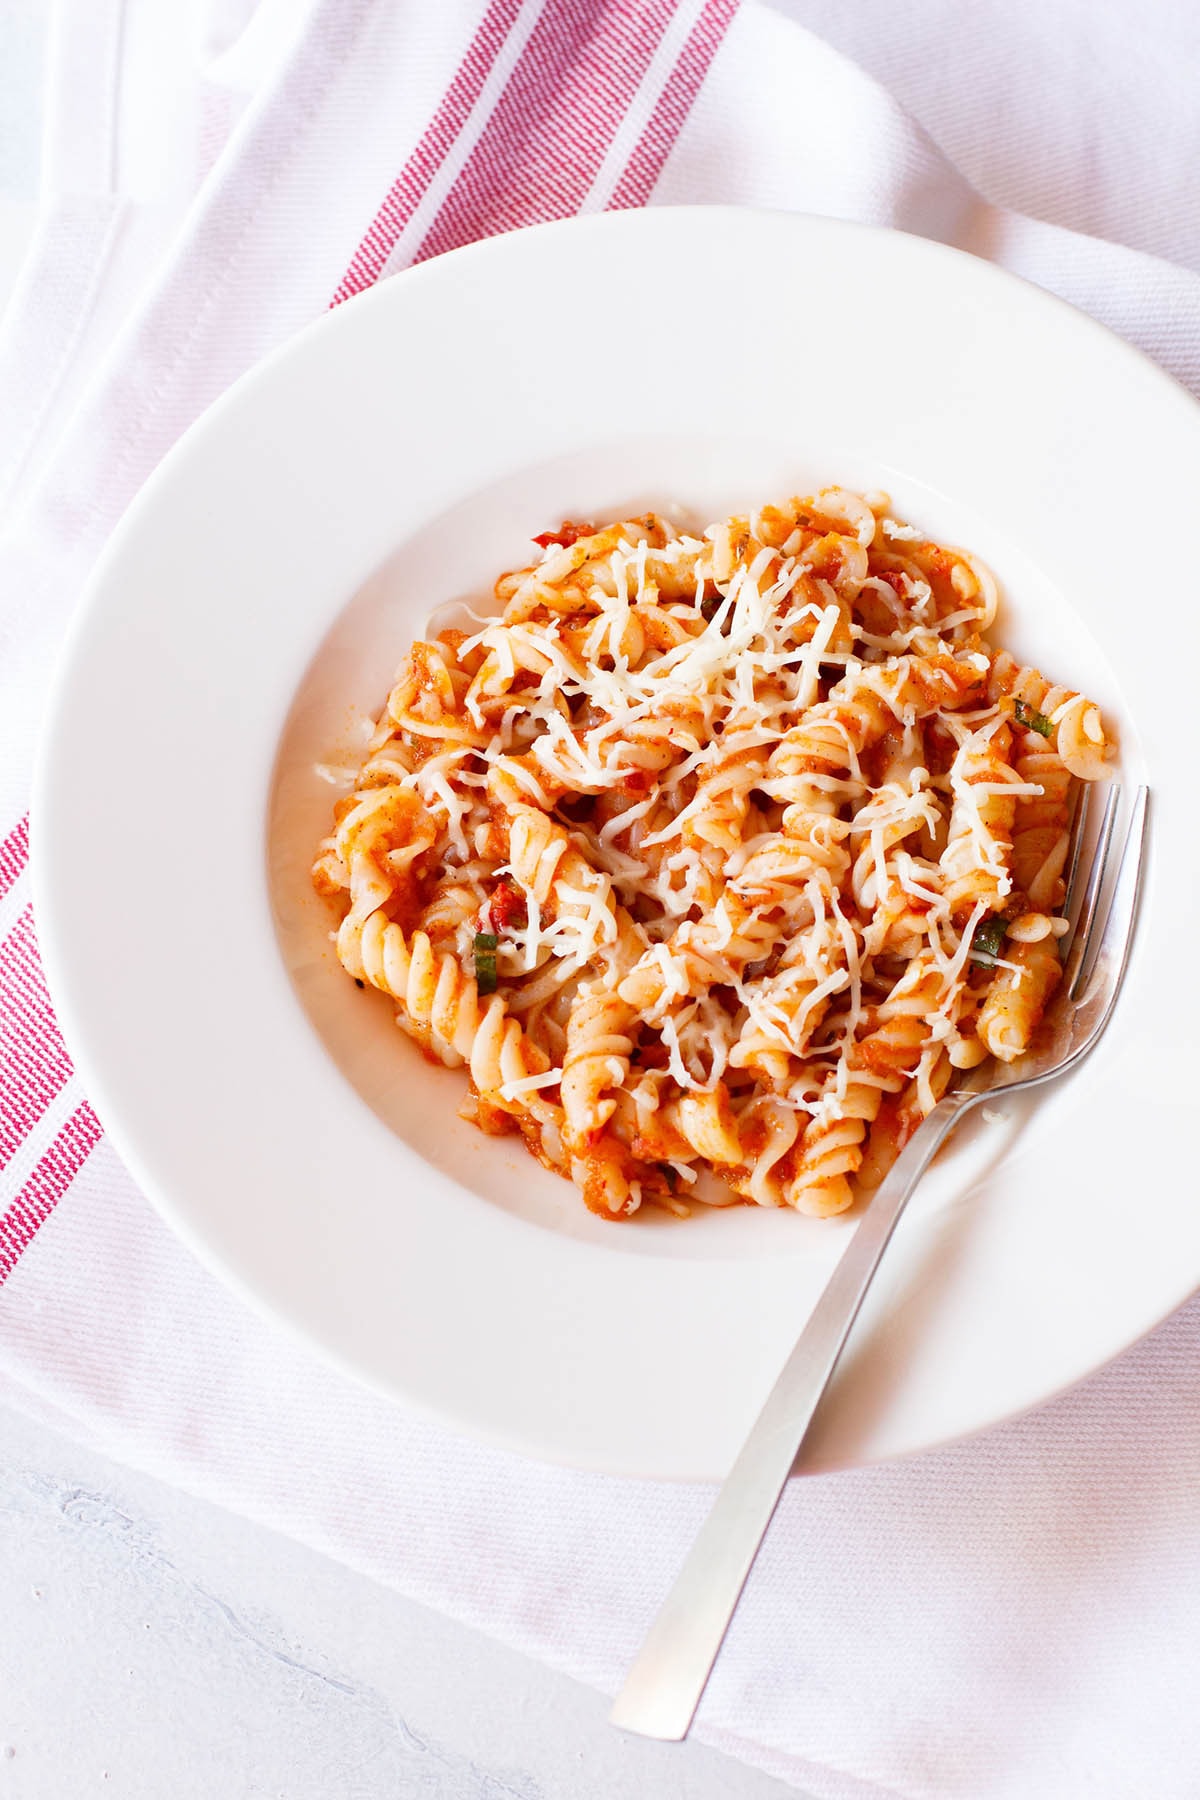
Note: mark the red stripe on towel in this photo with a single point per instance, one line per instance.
(674, 105)
(410, 186)
(14, 854)
(554, 122)
(34, 1065)
(47, 1185)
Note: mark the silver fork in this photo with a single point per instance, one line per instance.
(664, 1686)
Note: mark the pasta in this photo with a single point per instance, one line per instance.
(715, 858)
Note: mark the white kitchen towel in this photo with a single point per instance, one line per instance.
(1013, 1617)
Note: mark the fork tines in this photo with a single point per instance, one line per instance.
(1104, 937)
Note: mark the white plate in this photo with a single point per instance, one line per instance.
(249, 614)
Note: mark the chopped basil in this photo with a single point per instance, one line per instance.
(710, 608)
(485, 961)
(989, 936)
(1032, 720)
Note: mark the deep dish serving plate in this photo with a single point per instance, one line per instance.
(243, 629)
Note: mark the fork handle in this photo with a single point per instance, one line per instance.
(663, 1688)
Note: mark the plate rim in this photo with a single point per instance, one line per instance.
(77, 1032)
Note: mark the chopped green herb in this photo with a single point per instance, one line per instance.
(989, 937)
(1032, 720)
(485, 961)
(710, 608)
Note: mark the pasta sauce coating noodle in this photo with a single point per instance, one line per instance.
(712, 859)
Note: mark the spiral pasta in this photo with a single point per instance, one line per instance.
(713, 857)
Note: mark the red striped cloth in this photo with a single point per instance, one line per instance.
(546, 139)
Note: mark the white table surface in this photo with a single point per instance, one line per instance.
(152, 1645)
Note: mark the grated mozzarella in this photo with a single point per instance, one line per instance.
(767, 876)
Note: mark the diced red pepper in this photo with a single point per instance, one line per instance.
(566, 535)
(507, 907)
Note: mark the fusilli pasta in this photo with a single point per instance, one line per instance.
(713, 857)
